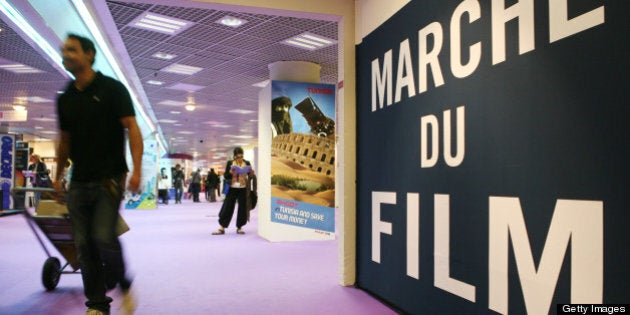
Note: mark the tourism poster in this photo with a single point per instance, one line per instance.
(146, 197)
(303, 155)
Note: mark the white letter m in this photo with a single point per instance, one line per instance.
(577, 221)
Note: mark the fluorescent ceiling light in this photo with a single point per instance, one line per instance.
(321, 39)
(144, 25)
(160, 23)
(163, 18)
(155, 82)
(164, 56)
(19, 68)
(309, 41)
(181, 69)
(32, 99)
(241, 111)
(43, 119)
(298, 44)
(261, 84)
(186, 132)
(171, 103)
(239, 136)
(52, 132)
(175, 112)
(168, 121)
(186, 87)
(231, 21)
(20, 108)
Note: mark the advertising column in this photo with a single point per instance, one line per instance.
(303, 157)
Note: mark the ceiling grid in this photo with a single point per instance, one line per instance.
(232, 59)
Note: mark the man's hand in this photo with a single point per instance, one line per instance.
(134, 181)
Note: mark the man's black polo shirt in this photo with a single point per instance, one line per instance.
(92, 118)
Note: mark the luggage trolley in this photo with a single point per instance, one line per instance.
(54, 222)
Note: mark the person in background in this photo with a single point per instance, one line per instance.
(178, 183)
(163, 185)
(195, 185)
(94, 111)
(212, 185)
(40, 177)
(236, 193)
(40, 172)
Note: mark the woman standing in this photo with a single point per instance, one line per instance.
(236, 173)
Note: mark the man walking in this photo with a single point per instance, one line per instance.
(178, 183)
(94, 112)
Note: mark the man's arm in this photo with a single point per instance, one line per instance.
(63, 151)
(136, 146)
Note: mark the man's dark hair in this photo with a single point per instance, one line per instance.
(238, 150)
(86, 44)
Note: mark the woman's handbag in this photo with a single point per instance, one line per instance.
(253, 200)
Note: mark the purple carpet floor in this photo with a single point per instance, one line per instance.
(180, 268)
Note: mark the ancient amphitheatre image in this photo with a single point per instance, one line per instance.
(303, 168)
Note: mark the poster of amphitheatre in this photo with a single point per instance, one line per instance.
(303, 153)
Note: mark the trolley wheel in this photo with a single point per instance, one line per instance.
(51, 273)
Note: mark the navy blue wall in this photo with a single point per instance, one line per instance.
(541, 126)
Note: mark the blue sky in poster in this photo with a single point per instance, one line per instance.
(298, 91)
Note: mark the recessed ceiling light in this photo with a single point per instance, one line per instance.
(309, 41)
(181, 69)
(160, 23)
(190, 107)
(165, 56)
(231, 21)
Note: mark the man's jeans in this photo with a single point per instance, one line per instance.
(93, 208)
(179, 191)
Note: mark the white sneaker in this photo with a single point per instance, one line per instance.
(129, 303)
